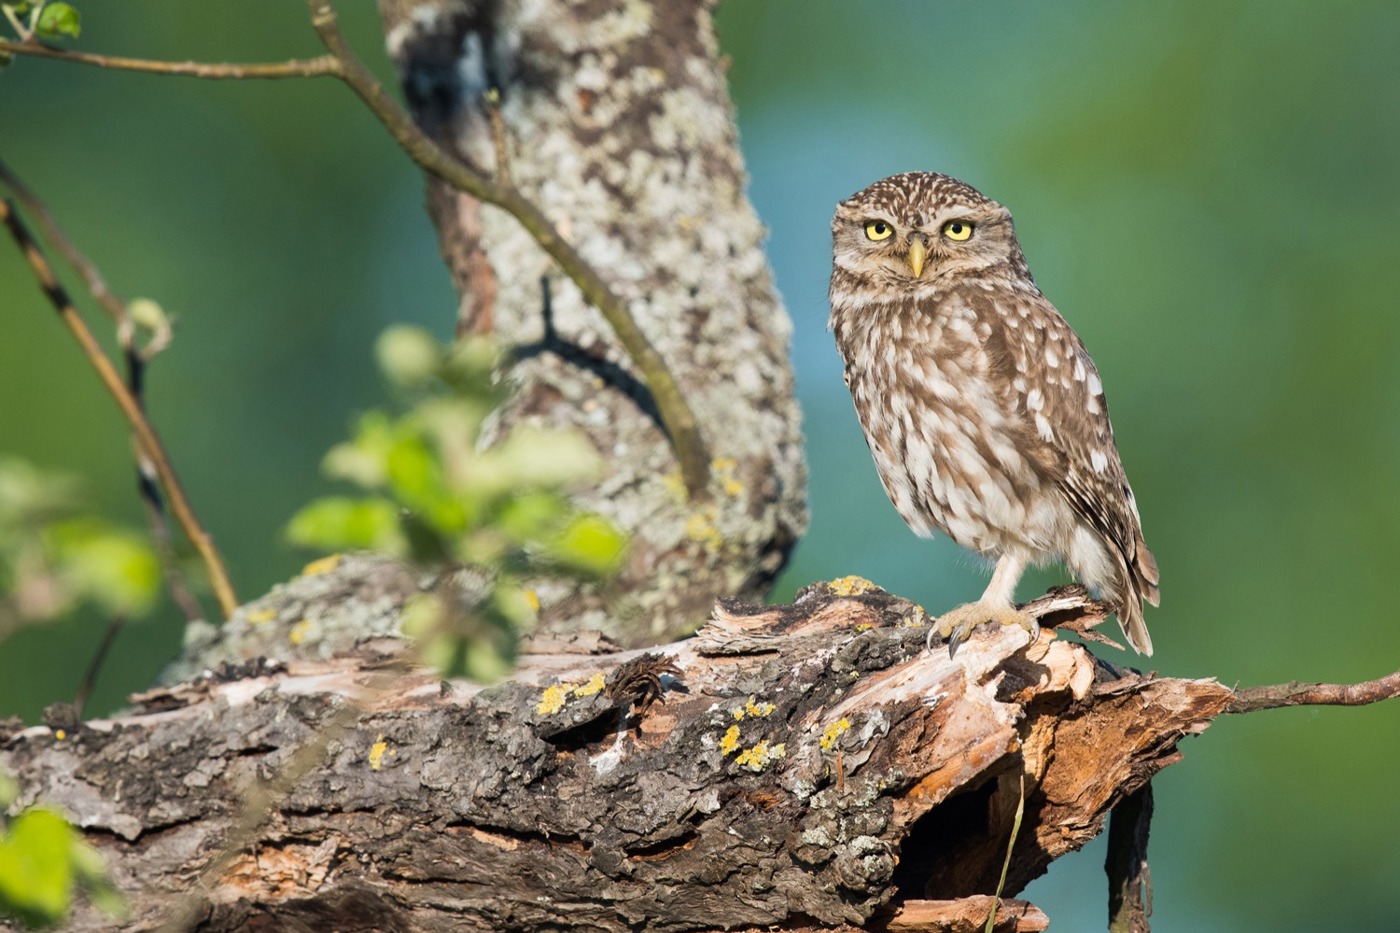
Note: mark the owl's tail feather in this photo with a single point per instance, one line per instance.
(1142, 584)
(1145, 573)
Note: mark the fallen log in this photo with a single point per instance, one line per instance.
(811, 765)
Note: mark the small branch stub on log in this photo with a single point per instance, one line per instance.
(1129, 881)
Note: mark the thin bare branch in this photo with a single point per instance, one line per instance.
(99, 658)
(498, 136)
(321, 66)
(146, 435)
(1294, 693)
(136, 359)
(96, 284)
(676, 414)
(24, 31)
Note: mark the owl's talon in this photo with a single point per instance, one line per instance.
(957, 625)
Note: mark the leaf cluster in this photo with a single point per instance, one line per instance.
(438, 494)
(53, 557)
(38, 19)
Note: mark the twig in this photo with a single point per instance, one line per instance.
(676, 414)
(96, 284)
(1010, 847)
(1129, 879)
(17, 23)
(148, 484)
(145, 434)
(1294, 693)
(136, 361)
(320, 66)
(498, 136)
(99, 657)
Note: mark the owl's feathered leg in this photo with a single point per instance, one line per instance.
(998, 604)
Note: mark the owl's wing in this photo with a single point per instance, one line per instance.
(1054, 386)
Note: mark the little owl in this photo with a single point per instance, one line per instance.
(982, 409)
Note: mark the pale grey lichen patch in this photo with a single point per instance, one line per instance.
(315, 615)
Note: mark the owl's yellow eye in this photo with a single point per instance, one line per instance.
(878, 230)
(957, 230)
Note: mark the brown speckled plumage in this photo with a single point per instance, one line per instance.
(982, 409)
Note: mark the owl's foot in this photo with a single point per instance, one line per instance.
(956, 625)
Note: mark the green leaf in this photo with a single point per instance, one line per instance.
(364, 460)
(148, 314)
(36, 866)
(92, 875)
(408, 356)
(510, 609)
(533, 458)
(531, 517)
(341, 524)
(113, 568)
(484, 662)
(31, 495)
(469, 368)
(590, 544)
(416, 479)
(57, 20)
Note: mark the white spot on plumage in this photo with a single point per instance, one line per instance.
(1042, 427)
(1034, 400)
(1051, 358)
(1098, 461)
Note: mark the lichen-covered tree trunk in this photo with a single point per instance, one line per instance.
(806, 766)
(614, 118)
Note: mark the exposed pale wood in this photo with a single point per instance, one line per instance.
(967, 915)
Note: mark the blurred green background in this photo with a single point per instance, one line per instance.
(1207, 191)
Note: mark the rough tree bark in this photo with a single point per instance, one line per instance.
(614, 118)
(807, 765)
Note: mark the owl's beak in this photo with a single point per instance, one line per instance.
(918, 252)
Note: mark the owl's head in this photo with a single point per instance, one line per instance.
(922, 227)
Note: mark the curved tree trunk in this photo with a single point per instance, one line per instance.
(615, 119)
